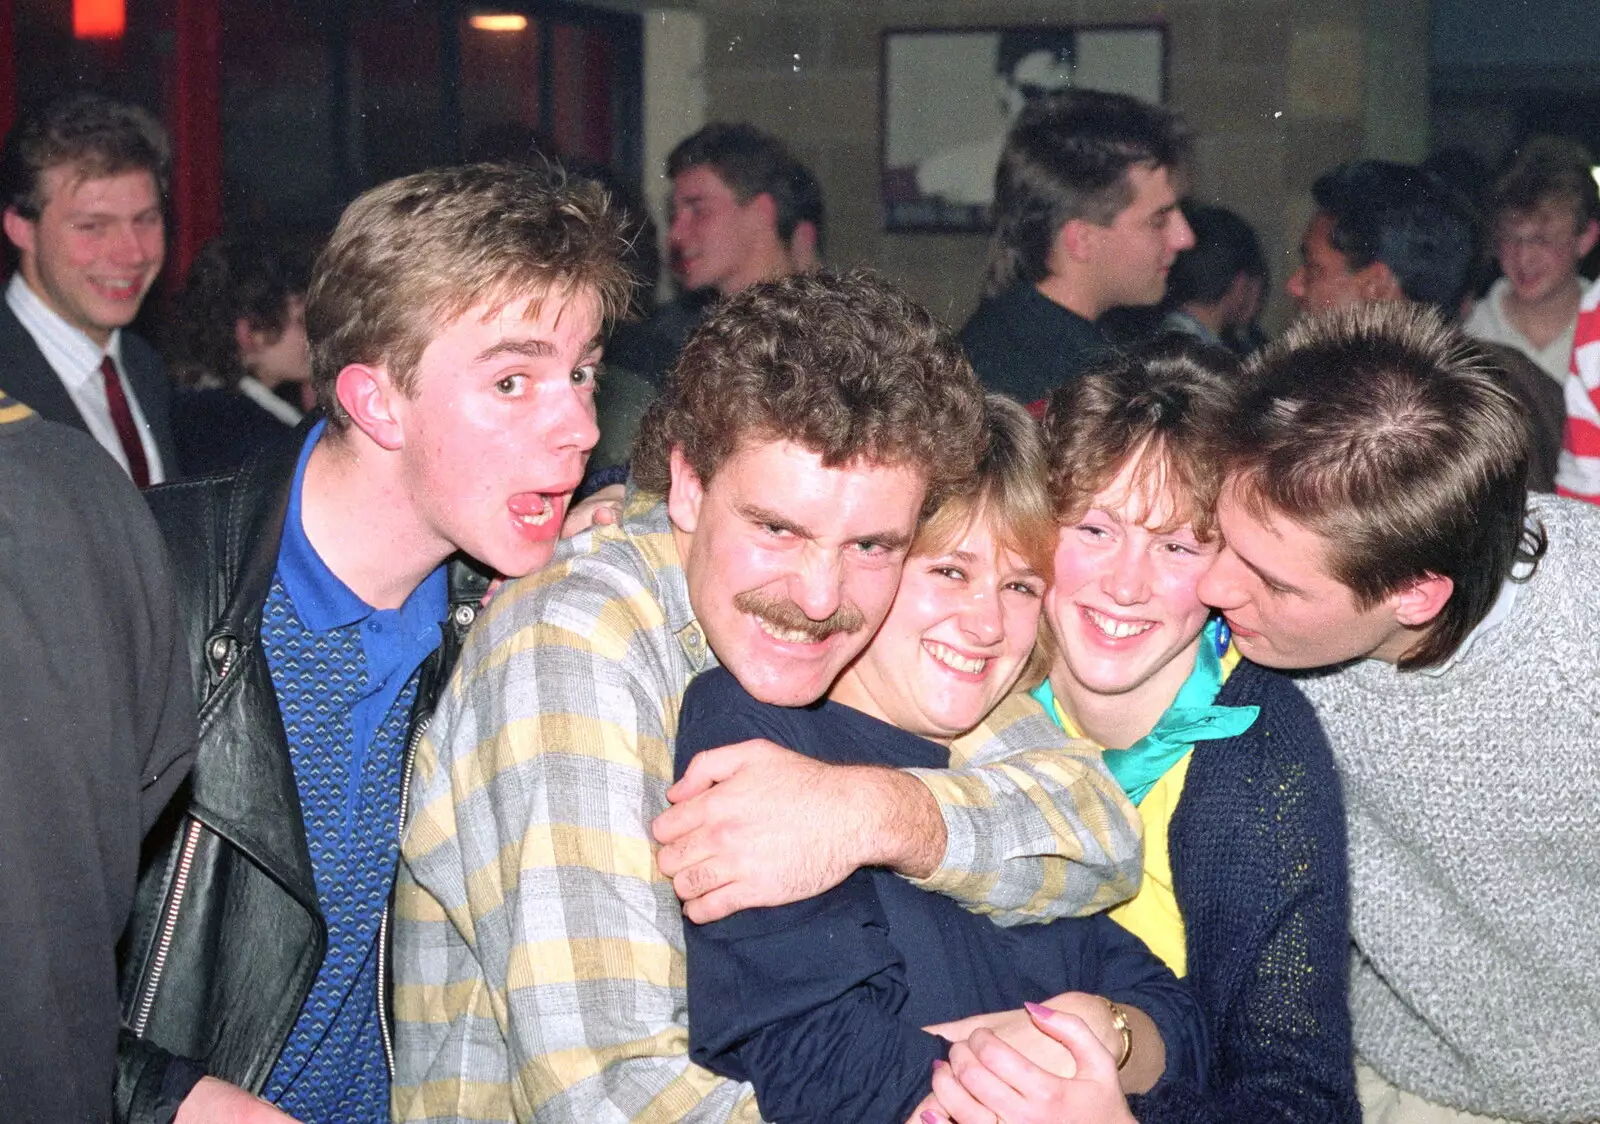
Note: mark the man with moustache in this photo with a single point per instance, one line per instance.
(540, 950)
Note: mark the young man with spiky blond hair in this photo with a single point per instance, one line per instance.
(454, 319)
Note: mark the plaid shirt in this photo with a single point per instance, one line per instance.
(539, 952)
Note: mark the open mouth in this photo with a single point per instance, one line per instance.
(1114, 628)
(533, 511)
(117, 289)
(784, 635)
(954, 660)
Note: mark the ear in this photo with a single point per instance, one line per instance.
(245, 337)
(766, 208)
(19, 230)
(1377, 282)
(1587, 238)
(803, 246)
(1422, 600)
(685, 494)
(368, 397)
(1077, 239)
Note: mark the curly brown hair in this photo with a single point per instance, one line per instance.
(412, 255)
(1165, 404)
(843, 364)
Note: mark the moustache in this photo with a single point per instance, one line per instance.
(784, 614)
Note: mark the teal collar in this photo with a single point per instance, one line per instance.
(1192, 717)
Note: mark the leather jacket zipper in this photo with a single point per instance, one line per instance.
(224, 652)
(385, 987)
(169, 925)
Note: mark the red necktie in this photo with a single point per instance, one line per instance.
(122, 418)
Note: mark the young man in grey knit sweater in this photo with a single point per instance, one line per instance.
(1378, 527)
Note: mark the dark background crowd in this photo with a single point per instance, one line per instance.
(173, 205)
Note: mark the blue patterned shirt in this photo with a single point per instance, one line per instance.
(345, 675)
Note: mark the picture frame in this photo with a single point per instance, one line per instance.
(949, 96)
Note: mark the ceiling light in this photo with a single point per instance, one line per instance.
(498, 21)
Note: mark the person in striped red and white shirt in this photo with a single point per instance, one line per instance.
(1578, 472)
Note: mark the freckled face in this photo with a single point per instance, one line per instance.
(1124, 605)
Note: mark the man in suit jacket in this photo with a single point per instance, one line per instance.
(82, 183)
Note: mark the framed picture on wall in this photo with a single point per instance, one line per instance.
(949, 95)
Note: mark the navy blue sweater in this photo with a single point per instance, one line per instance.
(820, 1004)
(1257, 845)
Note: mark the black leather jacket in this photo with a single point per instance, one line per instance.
(227, 936)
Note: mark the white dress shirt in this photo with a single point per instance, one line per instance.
(75, 359)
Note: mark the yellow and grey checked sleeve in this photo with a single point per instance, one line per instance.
(1036, 827)
(539, 953)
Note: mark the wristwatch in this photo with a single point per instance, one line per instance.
(1120, 1020)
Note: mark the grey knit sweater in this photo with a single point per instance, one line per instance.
(1474, 807)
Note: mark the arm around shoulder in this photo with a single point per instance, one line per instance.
(1036, 826)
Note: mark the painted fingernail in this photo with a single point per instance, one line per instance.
(940, 1063)
(928, 1117)
(1039, 1010)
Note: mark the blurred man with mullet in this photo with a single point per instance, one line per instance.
(1378, 526)
(1086, 219)
(454, 320)
(540, 949)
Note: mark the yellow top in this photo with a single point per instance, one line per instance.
(1152, 914)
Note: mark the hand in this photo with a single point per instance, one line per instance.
(603, 509)
(1018, 1029)
(212, 1101)
(725, 847)
(1015, 1028)
(987, 1081)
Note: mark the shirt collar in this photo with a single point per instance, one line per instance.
(70, 352)
(645, 521)
(321, 598)
(255, 390)
(1180, 321)
(1493, 619)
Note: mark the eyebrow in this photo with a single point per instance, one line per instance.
(96, 213)
(1276, 583)
(893, 540)
(530, 349)
(1024, 572)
